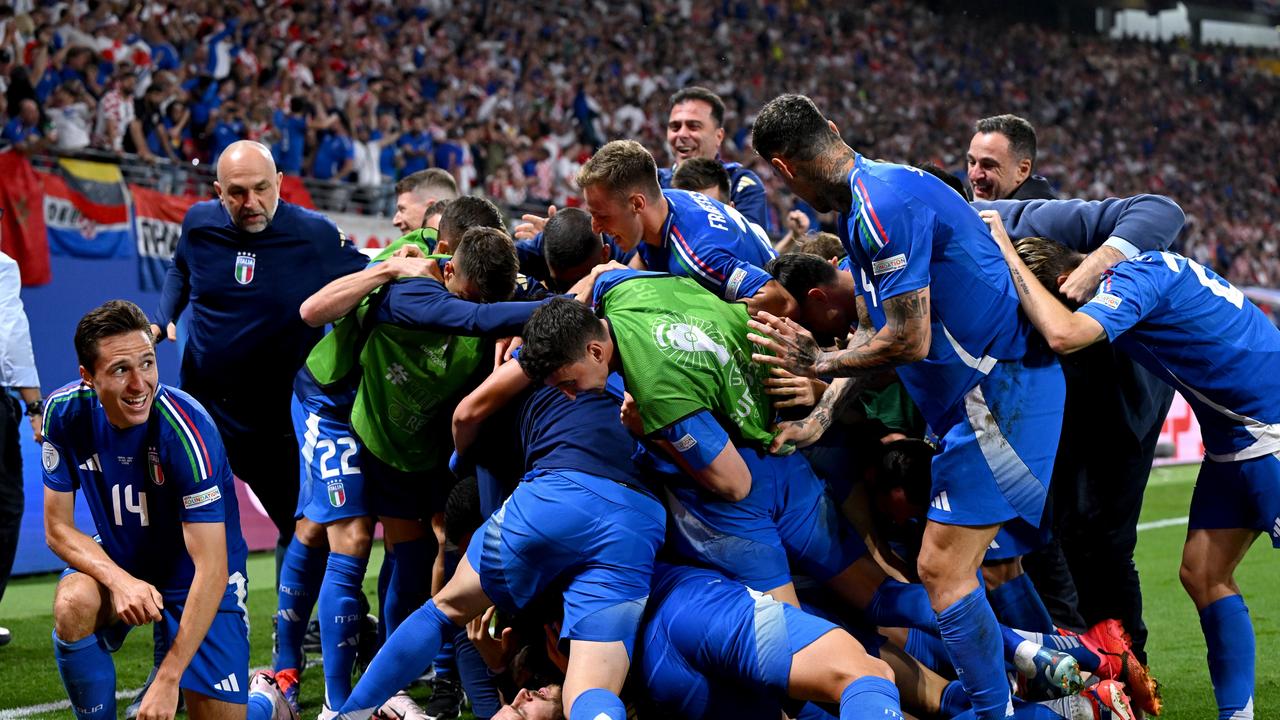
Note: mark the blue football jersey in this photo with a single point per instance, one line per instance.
(142, 483)
(711, 243)
(906, 230)
(1197, 332)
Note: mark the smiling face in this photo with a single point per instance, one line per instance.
(692, 131)
(124, 377)
(541, 704)
(615, 214)
(994, 172)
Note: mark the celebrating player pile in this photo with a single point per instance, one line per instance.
(626, 514)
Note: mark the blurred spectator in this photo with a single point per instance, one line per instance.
(71, 115)
(116, 111)
(147, 135)
(24, 131)
(416, 146)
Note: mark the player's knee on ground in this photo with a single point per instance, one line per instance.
(351, 536)
(79, 607)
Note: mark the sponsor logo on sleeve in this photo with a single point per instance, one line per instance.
(684, 443)
(1107, 299)
(202, 498)
(889, 264)
(49, 456)
(744, 182)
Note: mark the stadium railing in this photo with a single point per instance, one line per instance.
(173, 178)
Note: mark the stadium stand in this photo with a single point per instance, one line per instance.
(499, 94)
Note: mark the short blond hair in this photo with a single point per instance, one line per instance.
(1047, 259)
(622, 167)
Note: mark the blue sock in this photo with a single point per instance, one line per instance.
(405, 655)
(929, 650)
(480, 685)
(1017, 604)
(597, 703)
(446, 662)
(954, 700)
(973, 640)
(260, 708)
(410, 583)
(870, 697)
(1229, 635)
(300, 578)
(1069, 644)
(384, 581)
(89, 675)
(899, 604)
(339, 634)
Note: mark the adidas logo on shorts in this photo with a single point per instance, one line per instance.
(229, 684)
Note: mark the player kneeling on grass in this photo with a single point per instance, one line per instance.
(1198, 333)
(155, 477)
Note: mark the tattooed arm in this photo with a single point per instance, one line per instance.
(838, 394)
(1065, 331)
(904, 339)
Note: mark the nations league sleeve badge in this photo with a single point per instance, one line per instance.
(49, 456)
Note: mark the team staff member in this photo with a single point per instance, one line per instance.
(245, 262)
(17, 371)
(695, 129)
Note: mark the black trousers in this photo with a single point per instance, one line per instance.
(1110, 428)
(263, 451)
(11, 494)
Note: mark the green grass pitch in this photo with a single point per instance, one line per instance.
(29, 678)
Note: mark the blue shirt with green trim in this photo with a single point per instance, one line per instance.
(711, 243)
(142, 483)
(906, 230)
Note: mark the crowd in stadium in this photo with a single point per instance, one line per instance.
(660, 452)
(511, 98)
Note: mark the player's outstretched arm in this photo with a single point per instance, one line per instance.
(342, 295)
(495, 392)
(133, 601)
(207, 545)
(1065, 331)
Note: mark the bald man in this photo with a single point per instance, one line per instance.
(244, 263)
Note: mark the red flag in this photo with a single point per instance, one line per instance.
(22, 230)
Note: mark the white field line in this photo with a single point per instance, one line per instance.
(30, 710)
(1167, 522)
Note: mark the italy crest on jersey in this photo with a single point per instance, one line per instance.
(153, 466)
(337, 494)
(245, 262)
